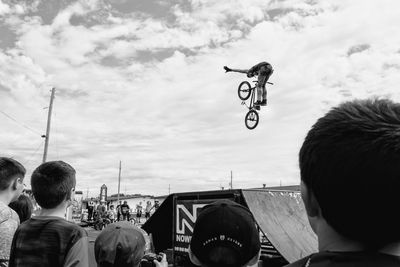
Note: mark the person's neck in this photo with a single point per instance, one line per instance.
(6, 197)
(58, 211)
(330, 240)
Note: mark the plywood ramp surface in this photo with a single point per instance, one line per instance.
(282, 217)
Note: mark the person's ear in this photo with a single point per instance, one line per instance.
(14, 185)
(193, 258)
(310, 201)
(70, 195)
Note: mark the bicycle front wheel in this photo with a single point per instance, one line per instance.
(251, 119)
(244, 90)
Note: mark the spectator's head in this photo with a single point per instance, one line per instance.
(23, 207)
(350, 171)
(111, 207)
(125, 202)
(225, 235)
(12, 175)
(53, 183)
(120, 244)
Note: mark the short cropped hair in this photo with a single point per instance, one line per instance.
(350, 161)
(9, 169)
(52, 183)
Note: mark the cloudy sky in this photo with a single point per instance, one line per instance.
(141, 81)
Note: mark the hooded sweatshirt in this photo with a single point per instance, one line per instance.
(9, 222)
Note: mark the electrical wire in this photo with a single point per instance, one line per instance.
(19, 123)
(30, 158)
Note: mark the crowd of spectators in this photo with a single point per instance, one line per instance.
(350, 177)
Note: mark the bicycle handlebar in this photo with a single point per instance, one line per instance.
(267, 82)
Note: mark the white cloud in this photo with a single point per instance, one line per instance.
(177, 120)
(4, 8)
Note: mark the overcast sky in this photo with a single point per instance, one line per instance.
(141, 81)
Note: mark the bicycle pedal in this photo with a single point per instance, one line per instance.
(257, 107)
(243, 103)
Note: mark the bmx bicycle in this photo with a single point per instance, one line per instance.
(246, 91)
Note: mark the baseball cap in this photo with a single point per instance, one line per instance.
(228, 225)
(120, 244)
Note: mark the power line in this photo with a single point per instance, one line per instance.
(34, 153)
(19, 123)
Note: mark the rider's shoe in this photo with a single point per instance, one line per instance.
(264, 102)
(257, 103)
(257, 107)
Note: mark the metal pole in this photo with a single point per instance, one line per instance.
(231, 181)
(119, 182)
(47, 136)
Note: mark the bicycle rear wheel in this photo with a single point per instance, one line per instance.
(244, 90)
(251, 119)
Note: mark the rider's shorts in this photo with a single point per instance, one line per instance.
(263, 74)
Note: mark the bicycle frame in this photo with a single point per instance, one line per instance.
(252, 97)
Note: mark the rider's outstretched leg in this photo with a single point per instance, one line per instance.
(263, 77)
(264, 97)
(259, 96)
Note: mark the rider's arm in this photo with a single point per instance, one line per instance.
(240, 71)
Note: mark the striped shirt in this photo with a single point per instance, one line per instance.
(49, 241)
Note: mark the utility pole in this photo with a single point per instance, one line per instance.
(231, 181)
(119, 182)
(47, 136)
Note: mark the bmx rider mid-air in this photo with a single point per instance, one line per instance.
(263, 70)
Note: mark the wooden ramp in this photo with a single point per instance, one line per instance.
(282, 218)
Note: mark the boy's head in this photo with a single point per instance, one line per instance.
(23, 207)
(12, 174)
(53, 183)
(225, 234)
(120, 244)
(350, 169)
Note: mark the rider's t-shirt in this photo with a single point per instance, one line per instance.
(256, 68)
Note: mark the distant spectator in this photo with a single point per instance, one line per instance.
(350, 182)
(119, 214)
(225, 235)
(90, 210)
(139, 209)
(23, 207)
(125, 211)
(148, 209)
(112, 214)
(122, 244)
(12, 175)
(101, 209)
(156, 205)
(48, 240)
